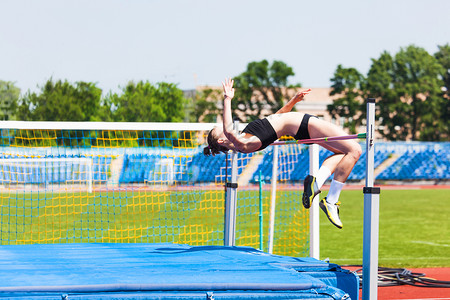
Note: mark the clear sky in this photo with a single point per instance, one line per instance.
(200, 42)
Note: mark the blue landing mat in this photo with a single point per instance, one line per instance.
(166, 271)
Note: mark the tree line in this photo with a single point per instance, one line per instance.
(412, 88)
(83, 101)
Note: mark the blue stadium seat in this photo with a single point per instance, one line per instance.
(428, 164)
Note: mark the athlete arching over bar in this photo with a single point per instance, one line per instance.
(260, 133)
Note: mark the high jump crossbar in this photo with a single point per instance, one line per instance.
(324, 139)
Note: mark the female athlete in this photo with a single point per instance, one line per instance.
(260, 133)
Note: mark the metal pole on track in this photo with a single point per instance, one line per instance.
(371, 213)
(231, 201)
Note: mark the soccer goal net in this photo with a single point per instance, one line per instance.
(70, 182)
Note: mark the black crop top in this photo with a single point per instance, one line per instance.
(262, 129)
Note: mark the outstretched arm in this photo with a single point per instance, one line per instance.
(241, 143)
(294, 100)
(228, 94)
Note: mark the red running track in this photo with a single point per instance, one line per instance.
(415, 292)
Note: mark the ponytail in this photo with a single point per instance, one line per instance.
(207, 151)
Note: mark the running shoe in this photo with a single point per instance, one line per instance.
(332, 212)
(310, 190)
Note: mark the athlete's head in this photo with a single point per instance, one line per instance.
(214, 146)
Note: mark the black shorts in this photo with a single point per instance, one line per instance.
(303, 133)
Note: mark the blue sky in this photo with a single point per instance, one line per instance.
(200, 42)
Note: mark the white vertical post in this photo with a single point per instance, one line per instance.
(90, 174)
(273, 199)
(314, 236)
(371, 213)
(230, 201)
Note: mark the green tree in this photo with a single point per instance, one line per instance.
(261, 89)
(144, 102)
(61, 101)
(9, 95)
(409, 89)
(203, 107)
(348, 84)
(410, 104)
(443, 56)
(380, 83)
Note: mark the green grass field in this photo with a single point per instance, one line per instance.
(414, 229)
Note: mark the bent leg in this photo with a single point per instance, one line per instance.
(352, 152)
(350, 149)
(347, 153)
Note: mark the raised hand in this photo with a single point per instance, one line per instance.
(228, 90)
(300, 95)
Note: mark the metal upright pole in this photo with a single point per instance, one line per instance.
(231, 200)
(371, 213)
(314, 236)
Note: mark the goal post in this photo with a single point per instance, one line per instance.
(314, 226)
(46, 173)
(286, 176)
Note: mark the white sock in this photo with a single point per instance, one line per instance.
(322, 176)
(335, 191)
